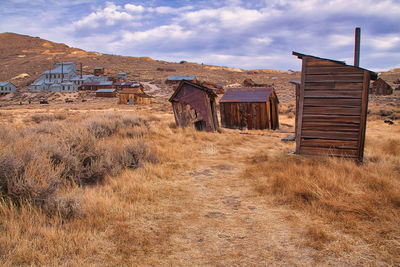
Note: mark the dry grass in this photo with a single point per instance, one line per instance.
(197, 198)
(340, 198)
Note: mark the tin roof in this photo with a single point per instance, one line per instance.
(258, 94)
(127, 84)
(5, 83)
(97, 83)
(105, 90)
(180, 78)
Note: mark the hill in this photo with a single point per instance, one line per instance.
(24, 58)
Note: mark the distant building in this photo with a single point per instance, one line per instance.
(381, 87)
(122, 85)
(108, 92)
(174, 79)
(130, 96)
(62, 78)
(96, 85)
(122, 76)
(98, 71)
(7, 87)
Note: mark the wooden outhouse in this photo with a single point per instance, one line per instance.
(195, 104)
(332, 106)
(251, 108)
(380, 87)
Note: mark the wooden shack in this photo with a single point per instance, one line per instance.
(134, 96)
(332, 108)
(194, 104)
(381, 87)
(109, 92)
(251, 108)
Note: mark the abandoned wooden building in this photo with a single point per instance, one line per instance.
(331, 107)
(175, 79)
(251, 108)
(194, 104)
(130, 96)
(381, 87)
(108, 92)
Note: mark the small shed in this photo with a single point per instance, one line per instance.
(331, 108)
(108, 92)
(174, 79)
(381, 87)
(130, 96)
(96, 85)
(251, 108)
(7, 87)
(194, 104)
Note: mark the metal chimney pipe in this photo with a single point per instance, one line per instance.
(357, 47)
(62, 72)
(81, 70)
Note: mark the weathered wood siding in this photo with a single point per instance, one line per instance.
(191, 105)
(331, 107)
(250, 115)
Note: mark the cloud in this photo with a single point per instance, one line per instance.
(247, 34)
(134, 8)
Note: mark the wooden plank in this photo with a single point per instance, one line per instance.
(267, 113)
(333, 69)
(249, 117)
(222, 112)
(364, 111)
(331, 127)
(332, 102)
(334, 135)
(332, 110)
(329, 143)
(253, 114)
(301, 103)
(329, 85)
(331, 118)
(328, 151)
(332, 94)
(334, 78)
(321, 63)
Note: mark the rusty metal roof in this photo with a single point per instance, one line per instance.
(258, 94)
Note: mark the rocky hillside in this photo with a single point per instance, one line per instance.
(24, 58)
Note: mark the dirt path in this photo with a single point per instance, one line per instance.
(226, 223)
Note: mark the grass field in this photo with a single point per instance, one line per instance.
(153, 194)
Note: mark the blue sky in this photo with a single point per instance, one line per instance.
(234, 33)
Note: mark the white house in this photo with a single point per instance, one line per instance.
(62, 78)
(7, 87)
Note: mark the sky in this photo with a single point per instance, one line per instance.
(242, 34)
